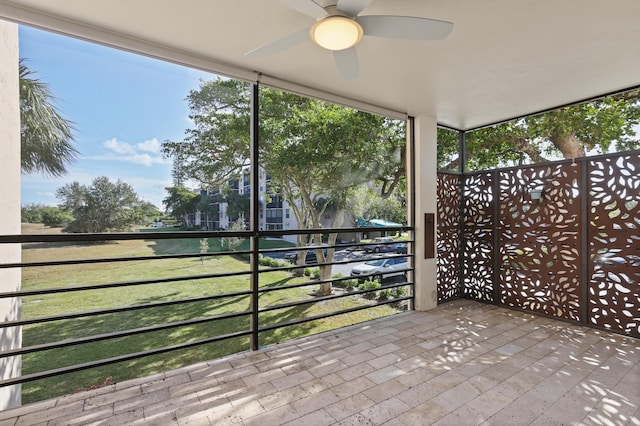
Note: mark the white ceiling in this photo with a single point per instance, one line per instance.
(503, 59)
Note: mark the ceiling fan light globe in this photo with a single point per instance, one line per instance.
(336, 33)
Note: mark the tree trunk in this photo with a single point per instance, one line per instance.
(325, 271)
(569, 145)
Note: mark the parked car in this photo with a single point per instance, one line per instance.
(380, 268)
(380, 245)
(310, 259)
(400, 248)
(156, 225)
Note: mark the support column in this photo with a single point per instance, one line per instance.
(425, 174)
(11, 337)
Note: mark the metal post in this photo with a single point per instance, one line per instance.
(462, 144)
(411, 177)
(462, 151)
(255, 213)
(495, 189)
(584, 241)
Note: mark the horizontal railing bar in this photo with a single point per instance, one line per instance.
(373, 274)
(330, 297)
(115, 335)
(337, 262)
(164, 257)
(55, 290)
(124, 236)
(324, 231)
(118, 259)
(123, 309)
(118, 236)
(286, 287)
(323, 247)
(331, 314)
(193, 277)
(314, 282)
(121, 358)
(71, 238)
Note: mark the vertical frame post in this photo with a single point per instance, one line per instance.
(255, 213)
(495, 250)
(462, 149)
(411, 177)
(584, 241)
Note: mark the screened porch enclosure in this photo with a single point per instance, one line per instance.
(528, 312)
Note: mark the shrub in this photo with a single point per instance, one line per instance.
(346, 284)
(350, 284)
(274, 263)
(384, 295)
(315, 273)
(270, 261)
(307, 272)
(369, 285)
(399, 292)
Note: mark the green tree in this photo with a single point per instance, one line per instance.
(237, 204)
(180, 203)
(365, 203)
(568, 132)
(149, 212)
(54, 217)
(313, 151)
(234, 242)
(102, 206)
(46, 137)
(31, 213)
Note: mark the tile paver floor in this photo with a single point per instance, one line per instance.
(462, 363)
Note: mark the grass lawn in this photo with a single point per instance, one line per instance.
(80, 301)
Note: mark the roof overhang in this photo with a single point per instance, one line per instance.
(503, 59)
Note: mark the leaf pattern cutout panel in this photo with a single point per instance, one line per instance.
(448, 236)
(540, 240)
(478, 247)
(614, 244)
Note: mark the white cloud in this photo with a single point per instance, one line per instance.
(140, 153)
(144, 159)
(119, 147)
(151, 145)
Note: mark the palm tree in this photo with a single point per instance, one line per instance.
(46, 137)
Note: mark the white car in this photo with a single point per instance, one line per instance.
(378, 269)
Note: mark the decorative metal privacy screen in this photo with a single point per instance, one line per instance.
(448, 236)
(478, 252)
(614, 246)
(540, 239)
(530, 239)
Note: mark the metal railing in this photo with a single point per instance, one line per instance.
(257, 287)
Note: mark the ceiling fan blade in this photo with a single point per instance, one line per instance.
(352, 7)
(307, 7)
(404, 27)
(347, 63)
(277, 46)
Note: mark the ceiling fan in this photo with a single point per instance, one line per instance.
(340, 28)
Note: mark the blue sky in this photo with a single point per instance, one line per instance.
(123, 107)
